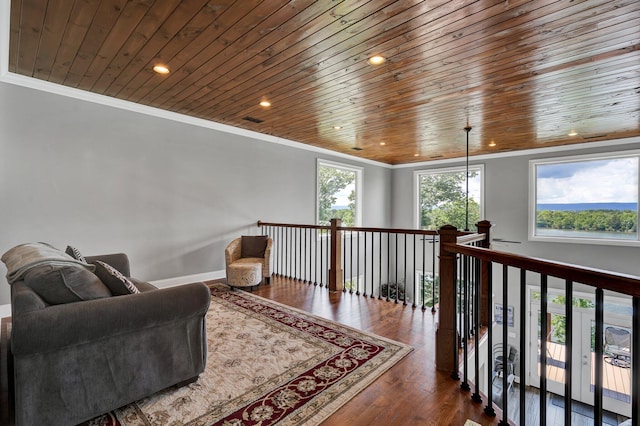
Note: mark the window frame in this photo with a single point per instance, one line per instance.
(533, 198)
(358, 186)
(416, 188)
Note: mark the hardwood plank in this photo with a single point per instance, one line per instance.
(128, 49)
(55, 22)
(27, 51)
(186, 24)
(76, 30)
(411, 392)
(106, 16)
(14, 38)
(128, 20)
(231, 24)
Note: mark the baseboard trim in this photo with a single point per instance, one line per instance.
(187, 279)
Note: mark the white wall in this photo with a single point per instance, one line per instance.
(169, 194)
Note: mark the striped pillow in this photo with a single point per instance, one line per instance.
(118, 284)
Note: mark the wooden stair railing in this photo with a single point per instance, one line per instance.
(455, 253)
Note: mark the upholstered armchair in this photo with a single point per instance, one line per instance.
(248, 261)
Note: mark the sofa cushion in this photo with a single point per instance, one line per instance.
(253, 245)
(117, 283)
(57, 285)
(75, 253)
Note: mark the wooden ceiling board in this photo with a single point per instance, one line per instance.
(522, 73)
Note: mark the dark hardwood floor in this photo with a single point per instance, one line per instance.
(410, 393)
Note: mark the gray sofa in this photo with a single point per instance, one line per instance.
(75, 361)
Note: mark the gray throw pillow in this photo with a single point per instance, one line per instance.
(117, 283)
(57, 285)
(253, 245)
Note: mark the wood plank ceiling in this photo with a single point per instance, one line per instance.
(522, 73)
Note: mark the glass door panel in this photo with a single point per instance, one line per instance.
(616, 380)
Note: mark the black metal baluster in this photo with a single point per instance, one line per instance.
(476, 321)
(455, 374)
(424, 273)
(344, 263)
(406, 283)
(295, 252)
(459, 300)
(328, 257)
(351, 261)
(415, 288)
(286, 252)
(395, 247)
(568, 356)
(305, 257)
(315, 252)
(321, 257)
(315, 283)
(380, 266)
(358, 264)
(465, 335)
(599, 368)
(364, 267)
(635, 364)
(505, 346)
(488, 409)
(281, 252)
(300, 255)
(373, 253)
(388, 266)
(523, 341)
(543, 349)
(433, 274)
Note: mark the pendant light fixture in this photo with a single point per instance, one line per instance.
(467, 129)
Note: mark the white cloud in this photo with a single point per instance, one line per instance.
(602, 181)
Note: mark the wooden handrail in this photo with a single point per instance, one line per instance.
(470, 238)
(599, 278)
(292, 225)
(361, 229)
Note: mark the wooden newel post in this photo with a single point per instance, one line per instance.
(484, 227)
(335, 268)
(446, 333)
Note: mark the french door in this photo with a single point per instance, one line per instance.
(617, 371)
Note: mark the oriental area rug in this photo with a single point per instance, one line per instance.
(267, 364)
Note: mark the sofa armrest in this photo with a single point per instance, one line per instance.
(61, 326)
(120, 261)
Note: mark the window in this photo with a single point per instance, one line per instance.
(442, 197)
(339, 193)
(591, 199)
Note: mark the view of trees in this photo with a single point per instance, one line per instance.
(443, 201)
(588, 220)
(331, 181)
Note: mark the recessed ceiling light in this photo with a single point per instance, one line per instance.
(265, 104)
(161, 69)
(376, 60)
(337, 127)
(573, 133)
(416, 155)
(383, 143)
(492, 143)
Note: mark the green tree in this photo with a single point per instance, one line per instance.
(443, 200)
(331, 181)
